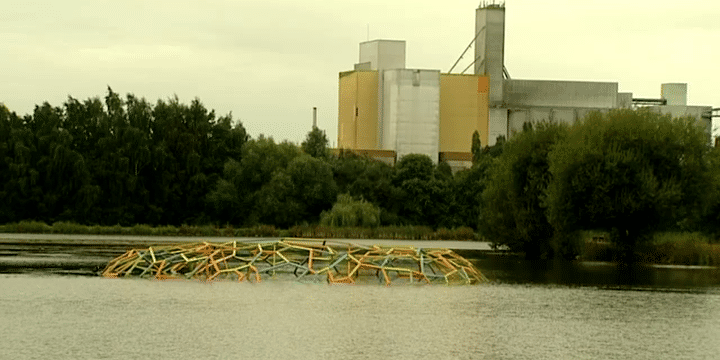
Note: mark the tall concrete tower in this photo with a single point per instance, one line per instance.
(490, 47)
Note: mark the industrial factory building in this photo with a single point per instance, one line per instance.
(388, 111)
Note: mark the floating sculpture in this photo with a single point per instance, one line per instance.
(337, 262)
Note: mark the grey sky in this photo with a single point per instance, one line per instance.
(271, 61)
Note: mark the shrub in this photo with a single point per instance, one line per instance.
(207, 230)
(264, 231)
(322, 232)
(228, 231)
(444, 234)
(97, 229)
(185, 230)
(713, 254)
(301, 231)
(348, 212)
(598, 251)
(392, 232)
(421, 233)
(62, 227)
(465, 233)
(37, 227)
(166, 230)
(142, 229)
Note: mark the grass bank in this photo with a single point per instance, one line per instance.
(666, 248)
(303, 231)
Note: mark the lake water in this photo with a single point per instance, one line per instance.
(81, 317)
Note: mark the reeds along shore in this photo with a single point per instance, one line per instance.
(336, 263)
(408, 232)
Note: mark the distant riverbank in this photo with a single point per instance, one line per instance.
(405, 232)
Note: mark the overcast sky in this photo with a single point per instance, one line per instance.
(270, 61)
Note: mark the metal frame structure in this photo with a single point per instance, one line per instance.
(638, 102)
(337, 263)
(715, 112)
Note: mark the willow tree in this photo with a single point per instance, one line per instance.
(513, 211)
(629, 172)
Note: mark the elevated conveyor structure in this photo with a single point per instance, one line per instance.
(335, 262)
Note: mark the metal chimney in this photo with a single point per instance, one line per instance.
(314, 117)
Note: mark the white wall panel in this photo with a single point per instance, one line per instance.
(497, 124)
(574, 94)
(412, 112)
(566, 116)
(674, 93)
(383, 54)
(516, 119)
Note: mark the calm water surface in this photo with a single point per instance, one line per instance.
(75, 317)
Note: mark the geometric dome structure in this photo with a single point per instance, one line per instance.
(334, 262)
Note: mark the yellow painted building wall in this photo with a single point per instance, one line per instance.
(463, 109)
(347, 97)
(358, 110)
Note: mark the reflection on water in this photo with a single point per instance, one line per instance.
(93, 318)
(517, 271)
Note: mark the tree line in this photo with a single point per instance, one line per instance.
(127, 161)
(629, 173)
(124, 160)
(117, 161)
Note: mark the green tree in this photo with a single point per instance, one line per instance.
(513, 212)
(467, 188)
(224, 201)
(227, 138)
(497, 149)
(710, 220)
(424, 199)
(476, 148)
(297, 194)
(113, 160)
(443, 171)
(374, 183)
(350, 212)
(630, 173)
(18, 176)
(261, 157)
(189, 149)
(5, 141)
(347, 168)
(316, 144)
(235, 196)
(413, 166)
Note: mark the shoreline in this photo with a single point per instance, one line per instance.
(89, 254)
(149, 240)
